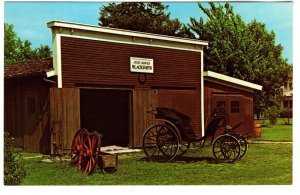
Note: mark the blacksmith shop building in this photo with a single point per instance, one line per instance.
(105, 79)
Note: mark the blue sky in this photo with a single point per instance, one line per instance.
(30, 18)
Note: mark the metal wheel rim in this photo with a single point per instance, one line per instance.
(160, 143)
(244, 147)
(226, 148)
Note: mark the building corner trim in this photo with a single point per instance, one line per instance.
(56, 45)
(202, 94)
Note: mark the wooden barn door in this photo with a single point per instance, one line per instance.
(143, 100)
(234, 104)
(31, 132)
(64, 115)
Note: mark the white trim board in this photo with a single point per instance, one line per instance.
(129, 43)
(232, 80)
(62, 24)
(202, 95)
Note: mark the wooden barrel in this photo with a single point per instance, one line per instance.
(256, 130)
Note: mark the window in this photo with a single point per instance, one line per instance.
(31, 105)
(285, 103)
(235, 107)
(221, 104)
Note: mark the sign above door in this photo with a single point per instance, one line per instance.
(141, 65)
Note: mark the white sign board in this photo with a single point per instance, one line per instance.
(141, 65)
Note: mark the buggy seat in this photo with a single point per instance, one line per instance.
(180, 120)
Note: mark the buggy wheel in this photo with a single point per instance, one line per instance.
(226, 148)
(244, 147)
(160, 143)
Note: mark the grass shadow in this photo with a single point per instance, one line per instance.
(193, 159)
(187, 159)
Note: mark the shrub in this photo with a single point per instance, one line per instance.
(14, 170)
(272, 114)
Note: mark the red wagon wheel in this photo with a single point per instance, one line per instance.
(85, 150)
(91, 153)
(77, 145)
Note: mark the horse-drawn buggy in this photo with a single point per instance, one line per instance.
(173, 134)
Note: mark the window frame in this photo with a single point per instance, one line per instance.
(235, 107)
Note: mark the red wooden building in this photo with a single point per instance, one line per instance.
(106, 79)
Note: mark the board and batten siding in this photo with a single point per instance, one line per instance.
(101, 64)
(246, 98)
(64, 116)
(26, 113)
(105, 63)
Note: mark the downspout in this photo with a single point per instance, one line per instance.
(49, 81)
(44, 75)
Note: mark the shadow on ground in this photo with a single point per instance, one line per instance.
(187, 159)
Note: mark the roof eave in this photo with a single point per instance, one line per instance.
(62, 24)
(232, 80)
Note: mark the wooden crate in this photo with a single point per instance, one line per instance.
(108, 162)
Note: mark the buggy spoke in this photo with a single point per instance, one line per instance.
(154, 151)
(151, 138)
(151, 144)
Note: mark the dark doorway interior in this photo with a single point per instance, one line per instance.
(106, 111)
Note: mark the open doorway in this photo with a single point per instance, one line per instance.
(106, 111)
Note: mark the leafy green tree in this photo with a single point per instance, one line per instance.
(16, 50)
(244, 51)
(11, 43)
(145, 17)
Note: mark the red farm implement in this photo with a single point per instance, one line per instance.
(86, 154)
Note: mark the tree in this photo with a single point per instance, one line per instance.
(11, 43)
(16, 50)
(144, 17)
(244, 51)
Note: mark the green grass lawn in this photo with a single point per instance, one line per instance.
(263, 164)
(279, 132)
